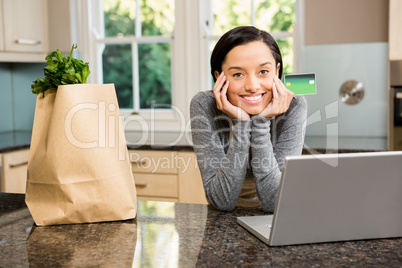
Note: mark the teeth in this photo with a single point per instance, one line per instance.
(253, 98)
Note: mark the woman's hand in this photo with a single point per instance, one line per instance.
(220, 89)
(281, 98)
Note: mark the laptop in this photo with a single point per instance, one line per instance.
(334, 197)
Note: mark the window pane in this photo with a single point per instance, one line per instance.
(117, 69)
(286, 47)
(157, 17)
(271, 16)
(229, 14)
(119, 17)
(155, 75)
(275, 15)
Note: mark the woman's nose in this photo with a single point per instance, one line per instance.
(252, 84)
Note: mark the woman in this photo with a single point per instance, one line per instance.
(247, 124)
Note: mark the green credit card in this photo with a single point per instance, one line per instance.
(301, 83)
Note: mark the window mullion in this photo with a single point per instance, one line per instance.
(134, 47)
(138, 27)
(136, 79)
(252, 15)
(131, 39)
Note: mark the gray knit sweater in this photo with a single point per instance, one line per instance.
(241, 160)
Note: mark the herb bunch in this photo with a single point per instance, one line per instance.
(61, 71)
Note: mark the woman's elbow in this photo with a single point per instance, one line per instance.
(221, 205)
(269, 210)
(268, 207)
(224, 207)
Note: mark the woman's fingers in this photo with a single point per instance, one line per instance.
(280, 87)
(218, 88)
(285, 95)
(274, 91)
(219, 83)
(223, 97)
(224, 90)
(281, 98)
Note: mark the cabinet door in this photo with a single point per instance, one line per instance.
(191, 189)
(156, 185)
(161, 162)
(395, 30)
(1, 27)
(14, 171)
(25, 25)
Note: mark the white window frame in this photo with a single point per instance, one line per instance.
(189, 63)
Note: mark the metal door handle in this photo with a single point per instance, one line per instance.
(29, 42)
(18, 164)
(141, 162)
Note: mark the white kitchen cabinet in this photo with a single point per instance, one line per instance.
(191, 188)
(14, 171)
(25, 24)
(1, 27)
(395, 30)
(31, 29)
(24, 31)
(167, 176)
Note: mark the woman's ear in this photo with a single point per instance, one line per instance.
(216, 73)
(278, 67)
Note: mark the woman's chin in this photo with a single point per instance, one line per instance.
(254, 110)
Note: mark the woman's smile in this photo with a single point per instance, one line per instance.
(253, 98)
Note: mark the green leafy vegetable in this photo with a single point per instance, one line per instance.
(61, 71)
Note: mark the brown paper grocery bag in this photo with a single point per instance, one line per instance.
(78, 167)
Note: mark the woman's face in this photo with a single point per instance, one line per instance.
(250, 70)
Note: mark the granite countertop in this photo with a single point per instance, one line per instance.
(182, 141)
(157, 140)
(176, 141)
(165, 141)
(170, 234)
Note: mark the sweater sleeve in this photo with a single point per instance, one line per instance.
(223, 174)
(268, 152)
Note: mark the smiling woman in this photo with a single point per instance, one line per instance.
(247, 124)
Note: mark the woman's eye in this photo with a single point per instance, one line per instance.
(264, 72)
(237, 75)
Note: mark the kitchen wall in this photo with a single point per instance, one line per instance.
(347, 40)
(17, 103)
